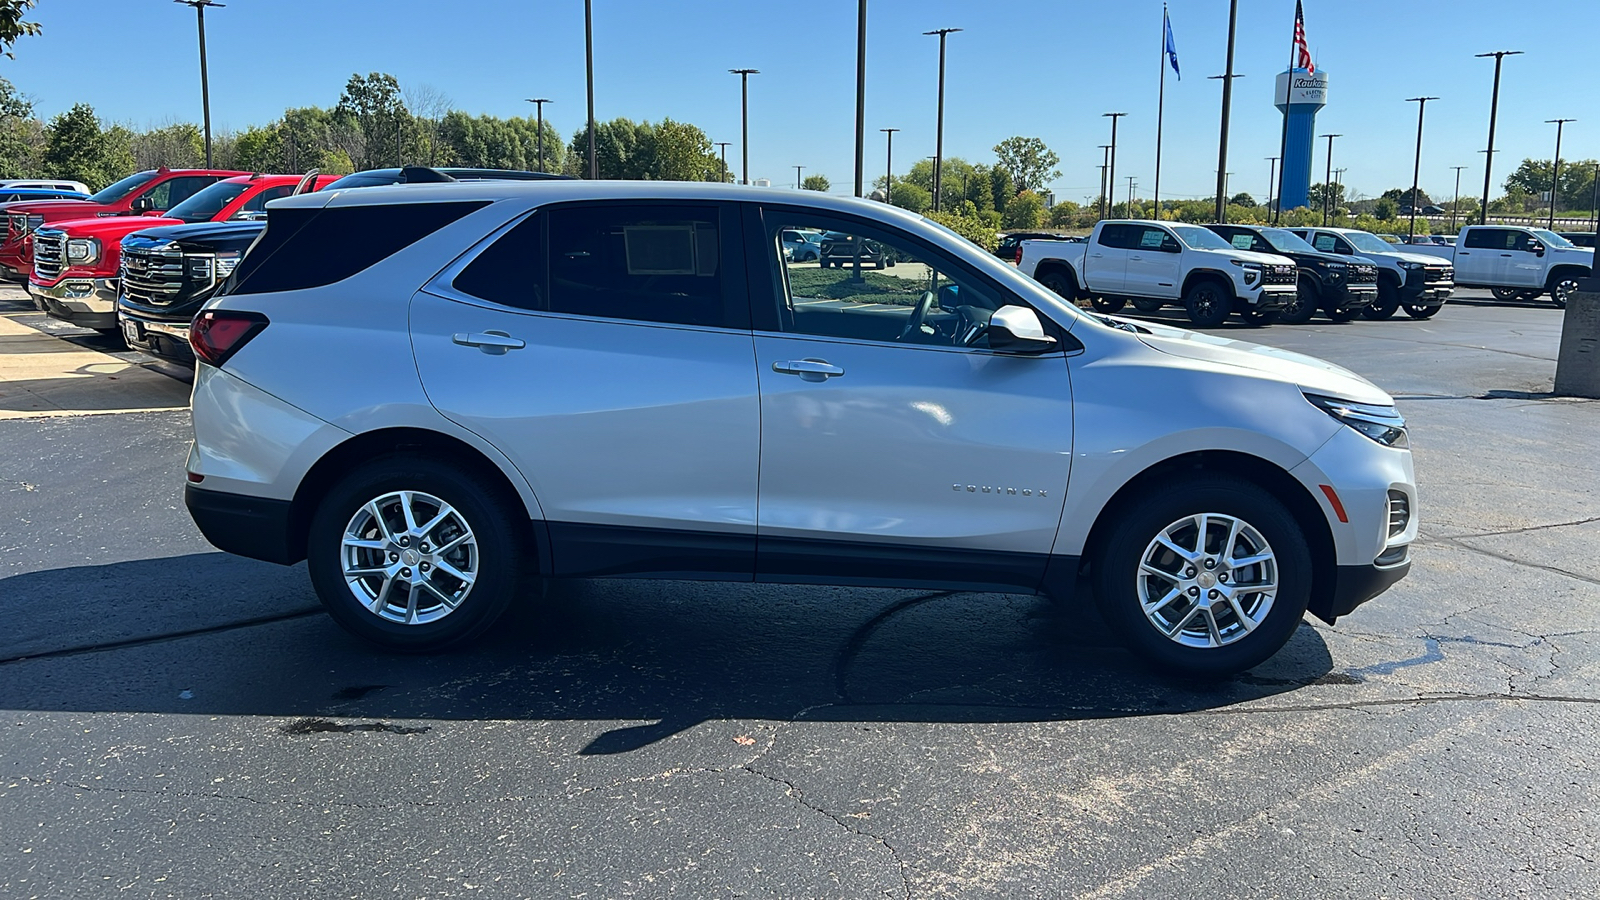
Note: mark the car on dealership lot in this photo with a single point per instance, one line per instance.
(802, 246)
(841, 250)
(20, 194)
(1155, 263)
(365, 405)
(1408, 276)
(1577, 238)
(61, 185)
(1517, 262)
(1009, 247)
(1340, 286)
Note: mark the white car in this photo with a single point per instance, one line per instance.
(1409, 277)
(499, 383)
(1517, 262)
(53, 184)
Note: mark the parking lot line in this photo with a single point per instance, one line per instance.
(42, 375)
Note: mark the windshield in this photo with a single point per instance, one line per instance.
(208, 204)
(1551, 239)
(1201, 238)
(122, 188)
(1367, 243)
(1286, 241)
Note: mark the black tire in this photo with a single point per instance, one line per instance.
(1148, 306)
(1116, 574)
(498, 527)
(1058, 282)
(1562, 285)
(1257, 317)
(1108, 305)
(1419, 311)
(1386, 304)
(1208, 303)
(1341, 316)
(113, 335)
(1506, 294)
(1528, 296)
(1303, 305)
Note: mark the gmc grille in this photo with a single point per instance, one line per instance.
(1281, 275)
(1363, 274)
(152, 277)
(49, 254)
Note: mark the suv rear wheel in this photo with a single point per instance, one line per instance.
(1207, 578)
(415, 555)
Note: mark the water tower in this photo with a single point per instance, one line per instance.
(1300, 95)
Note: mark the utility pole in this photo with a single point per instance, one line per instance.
(797, 177)
(1555, 174)
(1130, 198)
(1227, 105)
(1455, 205)
(1327, 180)
(1111, 160)
(861, 96)
(724, 146)
(540, 102)
(205, 82)
(744, 116)
(1594, 199)
(1494, 111)
(938, 141)
(1272, 180)
(888, 167)
(1105, 160)
(1416, 170)
(588, 58)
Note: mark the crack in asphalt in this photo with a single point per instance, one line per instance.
(1530, 528)
(163, 638)
(1506, 557)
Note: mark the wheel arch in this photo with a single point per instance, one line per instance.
(344, 457)
(1198, 275)
(1268, 475)
(1052, 264)
(1571, 269)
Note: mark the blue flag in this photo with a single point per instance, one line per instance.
(1172, 46)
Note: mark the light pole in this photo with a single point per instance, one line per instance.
(1416, 169)
(797, 177)
(1494, 110)
(540, 102)
(1272, 180)
(744, 117)
(938, 141)
(588, 60)
(1129, 207)
(724, 146)
(1105, 159)
(1227, 105)
(888, 167)
(1594, 199)
(1455, 205)
(1327, 180)
(861, 98)
(205, 85)
(1555, 174)
(1111, 159)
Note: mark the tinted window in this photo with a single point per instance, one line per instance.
(305, 248)
(1324, 242)
(649, 263)
(1490, 238)
(1122, 236)
(1152, 238)
(209, 203)
(1244, 240)
(511, 271)
(259, 202)
(174, 191)
(122, 188)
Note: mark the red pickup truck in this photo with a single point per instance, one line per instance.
(76, 262)
(155, 191)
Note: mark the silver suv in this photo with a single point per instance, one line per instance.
(442, 395)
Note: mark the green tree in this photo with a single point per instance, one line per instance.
(372, 120)
(21, 138)
(1385, 208)
(682, 152)
(1244, 200)
(76, 147)
(178, 146)
(1024, 211)
(1028, 161)
(12, 28)
(1001, 188)
(1334, 192)
(907, 195)
(1532, 178)
(816, 183)
(970, 224)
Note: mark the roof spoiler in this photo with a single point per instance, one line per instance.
(422, 175)
(307, 183)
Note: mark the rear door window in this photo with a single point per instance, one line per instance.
(511, 271)
(1491, 239)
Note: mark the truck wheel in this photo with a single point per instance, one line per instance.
(416, 555)
(1528, 296)
(1419, 311)
(1302, 304)
(1058, 282)
(1562, 286)
(1108, 305)
(1207, 303)
(1505, 294)
(1145, 305)
(1259, 317)
(1342, 316)
(1207, 577)
(1387, 303)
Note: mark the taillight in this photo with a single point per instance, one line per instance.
(218, 334)
(1018, 260)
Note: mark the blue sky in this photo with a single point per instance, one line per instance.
(1043, 68)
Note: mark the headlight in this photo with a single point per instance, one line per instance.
(1383, 424)
(226, 263)
(83, 250)
(1252, 271)
(1408, 266)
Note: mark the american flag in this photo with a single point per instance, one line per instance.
(1300, 40)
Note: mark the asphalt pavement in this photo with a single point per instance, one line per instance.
(181, 723)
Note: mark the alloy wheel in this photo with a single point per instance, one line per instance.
(1207, 580)
(1562, 290)
(409, 557)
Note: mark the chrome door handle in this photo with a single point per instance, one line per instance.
(1140, 258)
(808, 369)
(1098, 255)
(494, 343)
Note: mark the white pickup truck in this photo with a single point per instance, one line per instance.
(1516, 262)
(1156, 263)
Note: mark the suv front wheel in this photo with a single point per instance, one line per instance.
(1208, 578)
(414, 555)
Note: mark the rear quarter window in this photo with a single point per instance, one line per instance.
(307, 248)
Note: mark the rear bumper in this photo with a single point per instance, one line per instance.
(166, 338)
(248, 526)
(90, 302)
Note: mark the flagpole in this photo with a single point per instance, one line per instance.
(1161, 106)
(1283, 143)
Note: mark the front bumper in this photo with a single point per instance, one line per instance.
(1352, 296)
(1270, 297)
(1355, 585)
(90, 302)
(166, 338)
(1418, 292)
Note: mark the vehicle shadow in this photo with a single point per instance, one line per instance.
(654, 657)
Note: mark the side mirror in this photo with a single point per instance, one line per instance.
(1016, 329)
(142, 205)
(1536, 248)
(1168, 245)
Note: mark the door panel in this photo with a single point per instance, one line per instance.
(1151, 272)
(640, 439)
(1105, 267)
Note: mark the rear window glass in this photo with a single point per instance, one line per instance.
(510, 271)
(306, 248)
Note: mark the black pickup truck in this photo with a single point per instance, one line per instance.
(1340, 286)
